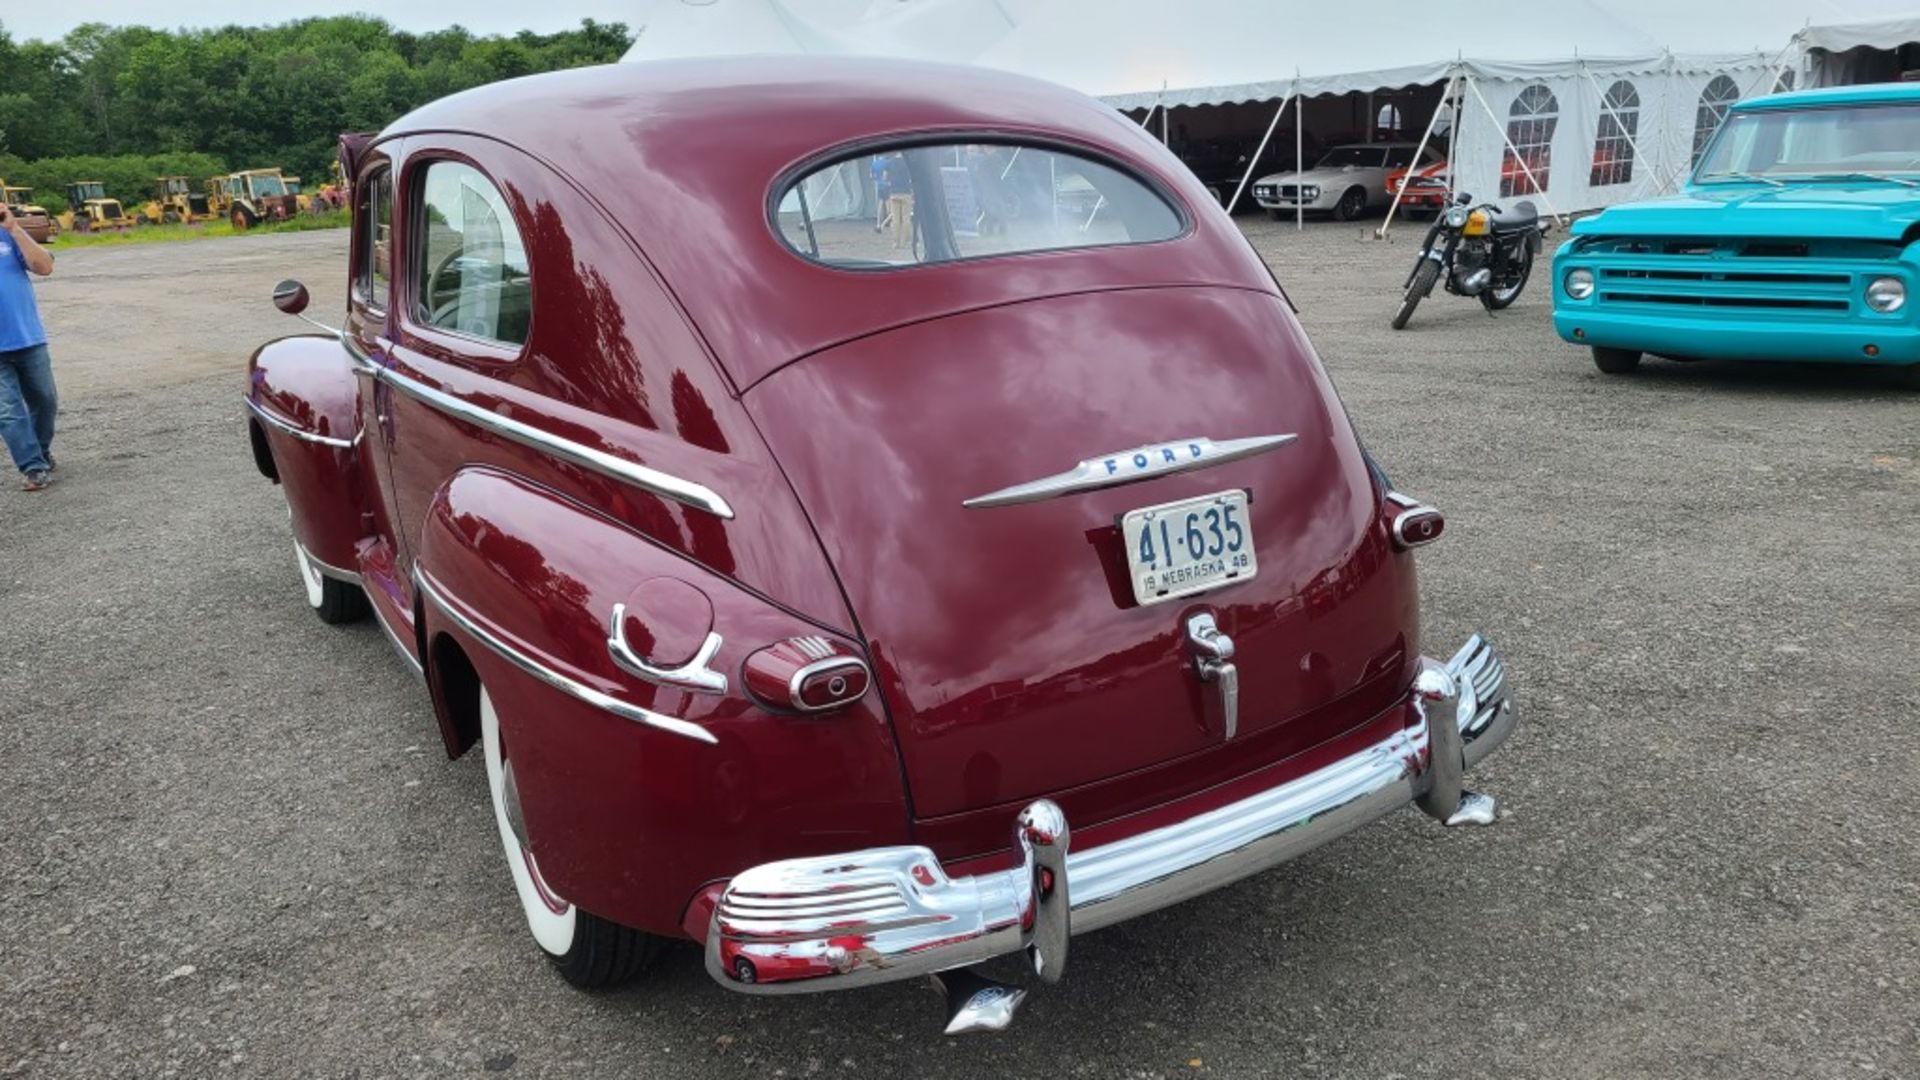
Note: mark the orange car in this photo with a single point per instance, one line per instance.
(1427, 194)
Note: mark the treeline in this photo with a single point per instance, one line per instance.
(240, 97)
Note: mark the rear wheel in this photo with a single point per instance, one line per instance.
(1351, 205)
(171, 217)
(1504, 292)
(242, 221)
(1615, 361)
(333, 600)
(590, 952)
(1422, 284)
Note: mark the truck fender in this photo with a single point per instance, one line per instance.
(303, 420)
(635, 792)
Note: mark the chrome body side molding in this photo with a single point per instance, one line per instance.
(280, 423)
(393, 639)
(653, 481)
(1131, 466)
(625, 710)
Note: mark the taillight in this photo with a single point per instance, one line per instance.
(806, 674)
(1414, 522)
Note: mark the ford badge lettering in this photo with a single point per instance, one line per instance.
(1128, 466)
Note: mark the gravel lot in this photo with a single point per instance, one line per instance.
(233, 846)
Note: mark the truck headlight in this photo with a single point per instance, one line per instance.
(1886, 295)
(1579, 283)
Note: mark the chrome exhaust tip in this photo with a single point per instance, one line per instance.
(976, 1003)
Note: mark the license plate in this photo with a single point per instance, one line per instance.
(1180, 548)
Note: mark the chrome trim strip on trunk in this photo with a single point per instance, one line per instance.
(281, 423)
(625, 710)
(665, 485)
(1131, 466)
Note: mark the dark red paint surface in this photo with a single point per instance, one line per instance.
(844, 417)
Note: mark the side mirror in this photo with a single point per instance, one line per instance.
(291, 297)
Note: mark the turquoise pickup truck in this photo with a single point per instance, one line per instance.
(1797, 238)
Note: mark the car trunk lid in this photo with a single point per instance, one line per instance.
(1013, 657)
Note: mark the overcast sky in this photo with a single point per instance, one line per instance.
(50, 20)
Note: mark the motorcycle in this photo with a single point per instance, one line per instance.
(1481, 251)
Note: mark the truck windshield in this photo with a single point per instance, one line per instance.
(1847, 142)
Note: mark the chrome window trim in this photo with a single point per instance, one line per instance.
(1095, 473)
(626, 711)
(665, 485)
(275, 420)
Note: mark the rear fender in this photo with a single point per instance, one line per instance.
(630, 818)
(304, 420)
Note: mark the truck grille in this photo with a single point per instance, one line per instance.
(1754, 275)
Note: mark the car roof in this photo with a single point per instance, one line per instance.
(685, 156)
(1865, 94)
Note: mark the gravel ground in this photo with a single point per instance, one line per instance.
(232, 845)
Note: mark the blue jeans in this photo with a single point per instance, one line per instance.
(27, 406)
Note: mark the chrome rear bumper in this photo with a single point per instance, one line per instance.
(884, 914)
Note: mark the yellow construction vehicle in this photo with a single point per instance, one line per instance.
(174, 202)
(255, 195)
(89, 209)
(33, 217)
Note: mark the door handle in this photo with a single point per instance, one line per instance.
(695, 674)
(1212, 661)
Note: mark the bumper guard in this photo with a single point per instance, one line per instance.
(886, 914)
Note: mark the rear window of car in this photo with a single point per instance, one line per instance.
(909, 205)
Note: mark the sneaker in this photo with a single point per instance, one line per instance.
(36, 480)
(51, 464)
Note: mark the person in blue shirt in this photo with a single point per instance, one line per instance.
(27, 400)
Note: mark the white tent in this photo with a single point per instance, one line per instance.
(1579, 104)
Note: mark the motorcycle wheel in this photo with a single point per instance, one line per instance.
(1501, 296)
(1417, 289)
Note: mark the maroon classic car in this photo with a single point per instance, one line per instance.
(814, 485)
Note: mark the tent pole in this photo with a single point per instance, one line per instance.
(1538, 188)
(1254, 163)
(1299, 151)
(1433, 122)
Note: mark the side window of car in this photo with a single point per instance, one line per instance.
(375, 273)
(470, 267)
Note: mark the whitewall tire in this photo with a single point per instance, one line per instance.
(333, 600)
(590, 952)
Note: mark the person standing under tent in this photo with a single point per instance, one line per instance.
(897, 187)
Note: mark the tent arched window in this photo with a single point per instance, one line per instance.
(1388, 119)
(1613, 146)
(1530, 123)
(1715, 100)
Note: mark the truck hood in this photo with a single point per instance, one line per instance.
(1836, 210)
